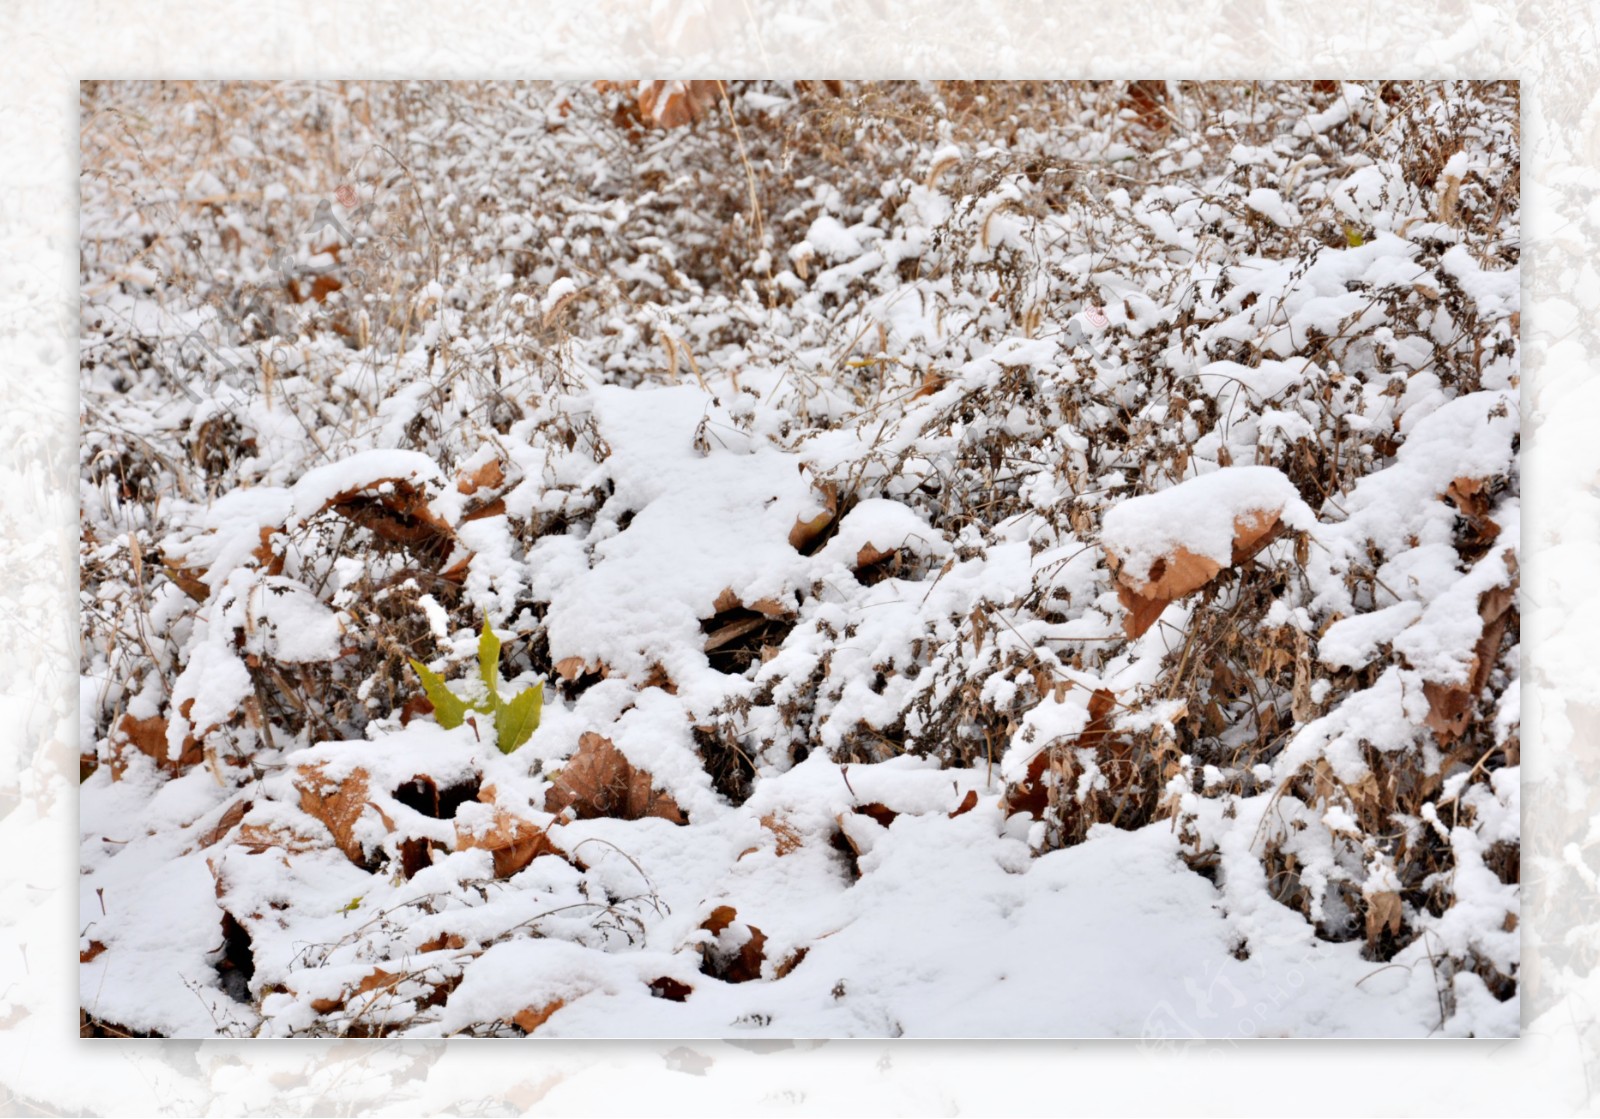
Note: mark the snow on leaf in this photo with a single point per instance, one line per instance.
(512, 840)
(339, 804)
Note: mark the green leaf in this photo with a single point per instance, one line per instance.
(448, 708)
(515, 722)
(1352, 236)
(489, 665)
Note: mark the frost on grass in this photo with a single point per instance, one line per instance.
(1001, 559)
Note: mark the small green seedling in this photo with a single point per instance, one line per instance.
(514, 721)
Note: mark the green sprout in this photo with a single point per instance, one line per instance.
(514, 720)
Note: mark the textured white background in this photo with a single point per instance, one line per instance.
(44, 1069)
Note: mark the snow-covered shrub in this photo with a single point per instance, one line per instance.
(1131, 457)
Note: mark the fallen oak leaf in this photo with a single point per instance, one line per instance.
(599, 781)
(513, 841)
(338, 803)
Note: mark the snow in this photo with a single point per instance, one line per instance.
(1270, 204)
(830, 238)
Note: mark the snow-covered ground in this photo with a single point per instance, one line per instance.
(1000, 560)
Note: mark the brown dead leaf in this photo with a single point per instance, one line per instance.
(490, 475)
(395, 510)
(1141, 613)
(932, 382)
(442, 942)
(1032, 793)
(418, 704)
(531, 1018)
(270, 559)
(91, 953)
(674, 103)
(318, 289)
(1253, 531)
(968, 803)
(722, 959)
(1472, 499)
(375, 980)
(869, 554)
(732, 631)
(657, 678)
(457, 572)
(599, 782)
(1302, 707)
(1146, 594)
(1385, 913)
(1451, 703)
(666, 987)
(338, 804)
(188, 579)
(149, 737)
(720, 918)
(843, 840)
(514, 842)
(494, 508)
(882, 813)
(790, 962)
(1449, 709)
(230, 819)
(378, 980)
(808, 531)
(416, 855)
(1172, 577)
(1029, 795)
(570, 668)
